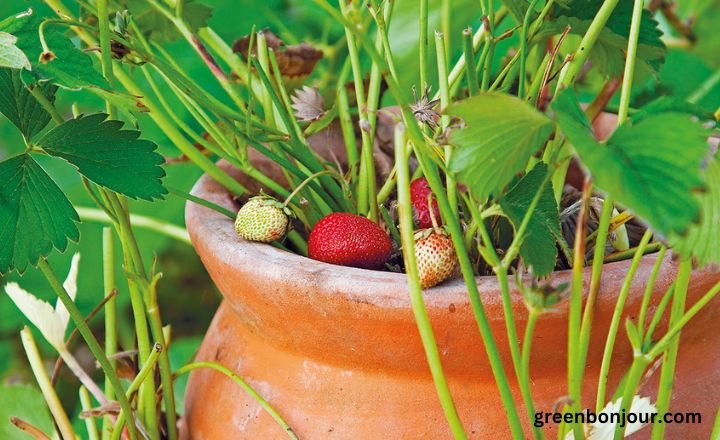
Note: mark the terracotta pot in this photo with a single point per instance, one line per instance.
(337, 352)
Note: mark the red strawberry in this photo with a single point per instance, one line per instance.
(435, 255)
(349, 240)
(419, 193)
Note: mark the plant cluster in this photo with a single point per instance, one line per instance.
(471, 179)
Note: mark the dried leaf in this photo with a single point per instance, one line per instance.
(111, 408)
(424, 109)
(29, 429)
(308, 104)
(293, 61)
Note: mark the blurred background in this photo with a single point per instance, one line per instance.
(187, 296)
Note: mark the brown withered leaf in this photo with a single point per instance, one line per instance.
(308, 104)
(29, 429)
(424, 108)
(293, 61)
(111, 408)
(126, 367)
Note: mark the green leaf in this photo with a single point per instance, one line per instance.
(19, 106)
(10, 55)
(34, 213)
(608, 55)
(517, 8)
(538, 248)
(107, 155)
(158, 28)
(501, 133)
(653, 166)
(703, 239)
(71, 67)
(666, 104)
(27, 403)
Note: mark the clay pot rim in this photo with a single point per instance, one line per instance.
(216, 232)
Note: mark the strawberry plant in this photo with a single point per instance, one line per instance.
(500, 167)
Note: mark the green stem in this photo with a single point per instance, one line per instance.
(48, 392)
(667, 373)
(178, 20)
(86, 405)
(245, 386)
(575, 306)
(137, 382)
(523, 47)
(300, 150)
(45, 103)
(445, 24)
(373, 100)
(657, 315)
(569, 73)
(588, 313)
(177, 138)
(624, 255)
(490, 42)
(715, 435)
(670, 337)
(630, 58)
(469, 54)
(445, 119)
(502, 276)
(525, 368)
(302, 184)
(632, 381)
(367, 190)
(153, 313)
(505, 73)
(109, 287)
(346, 123)
(141, 221)
(105, 52)
(706, 87)
(147, 306)
(608, 204)
(265, 99)
(423, 42)
(527, 340)
(89, 338)
(456, 233)
(145, 370)
(133, 265)
(615, 322)
(647, 295)
(415, 290)
(483, 324)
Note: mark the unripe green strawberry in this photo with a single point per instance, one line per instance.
(435, 255)
(263, 219)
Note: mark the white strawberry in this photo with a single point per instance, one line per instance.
(435, 255)
(263, 219)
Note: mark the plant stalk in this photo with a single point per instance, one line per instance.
(415, 290)
(43, 380)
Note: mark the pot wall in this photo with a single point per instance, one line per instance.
(336, 350)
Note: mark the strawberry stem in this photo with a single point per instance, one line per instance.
(305, 182)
